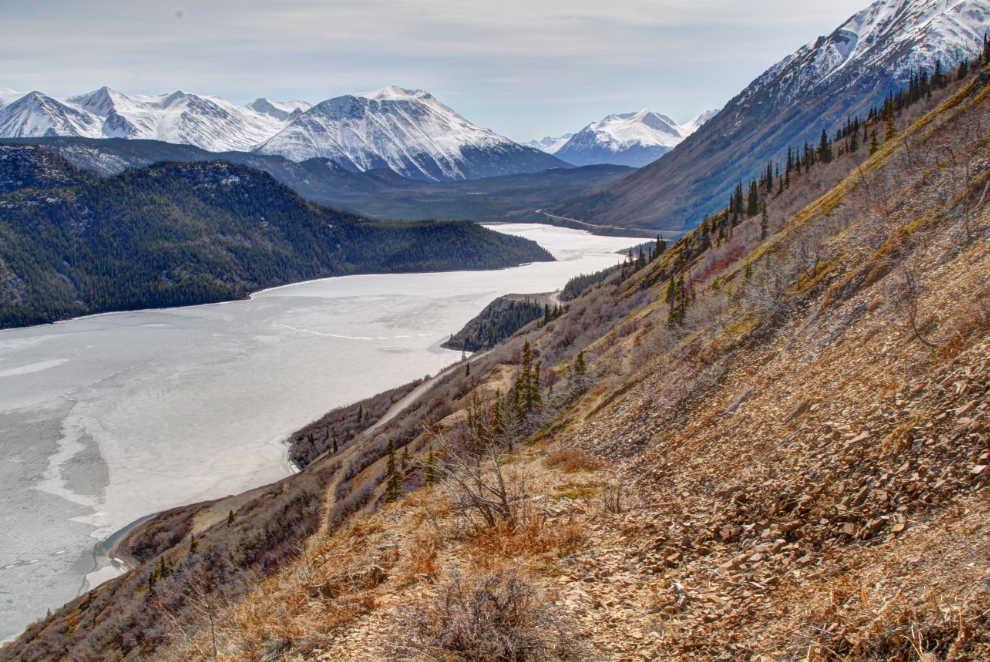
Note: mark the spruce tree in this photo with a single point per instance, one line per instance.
(335, 444)
(404, 460)
(874, 142)
(891, 128)
(580, 367)
(765, 225)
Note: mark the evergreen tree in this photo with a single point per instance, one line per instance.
(749, 271)
(467, 369)
(230, 518)
(874, 142)
(765, 225)
(891, 128)
(825, 153)
(753, 200)
(193, 545)
(335, 444)
(580, 367)
(404, 461)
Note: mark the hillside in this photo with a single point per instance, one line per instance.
(767, 445)
(182, 234)
(874, 54)
(380, 193)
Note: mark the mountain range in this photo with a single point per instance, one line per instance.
(407, 131)
(817, 88)
(630, 139)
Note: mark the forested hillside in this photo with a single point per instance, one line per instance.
(181, 234)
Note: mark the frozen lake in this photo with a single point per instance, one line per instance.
(108, 418)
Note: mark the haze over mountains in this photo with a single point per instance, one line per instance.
(630, 139)
(832, 77)
(407, 131)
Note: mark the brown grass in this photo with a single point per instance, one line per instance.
(572, 460)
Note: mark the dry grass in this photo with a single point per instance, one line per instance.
(572, 460)
(495, 617)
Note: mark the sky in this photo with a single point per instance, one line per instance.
(523, 68)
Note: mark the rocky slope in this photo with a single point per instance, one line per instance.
(770, 444)
(843, 74)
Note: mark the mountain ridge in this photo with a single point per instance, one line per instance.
(408, 131)
(817, 87)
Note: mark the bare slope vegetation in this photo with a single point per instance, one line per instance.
(767, 446)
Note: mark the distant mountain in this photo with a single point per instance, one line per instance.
(181, 234)
(549, 144)
(818, 87)
(632, 139)
(207, 122)
(409, 132)
(380, 193)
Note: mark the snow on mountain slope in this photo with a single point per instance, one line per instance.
(207, 122)
(699, 121)
(549, 144)
(282, 110)
(408, 131)
(6, 96)
(830, 79)
(632, 139)
(36, 114)
(890, 38)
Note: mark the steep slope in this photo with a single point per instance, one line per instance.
(846, 73)
(181, 234)
(408, 131)
(784, 458)
(633, 139)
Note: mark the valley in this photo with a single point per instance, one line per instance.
(364, 381)
(109, 418)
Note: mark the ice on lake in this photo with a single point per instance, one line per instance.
(108, 418)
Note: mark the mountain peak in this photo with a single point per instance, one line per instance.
(393, 93)
(631, 139)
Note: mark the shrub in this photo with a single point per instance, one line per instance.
(498, 617)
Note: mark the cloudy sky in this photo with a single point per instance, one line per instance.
(524, 68)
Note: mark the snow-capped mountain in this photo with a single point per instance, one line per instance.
(207, 122)
(632, 139)
(818, 87)
(408, 131)
(885, 43)
(549, 144)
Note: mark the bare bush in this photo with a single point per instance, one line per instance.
(498, 617)
(571, 460)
